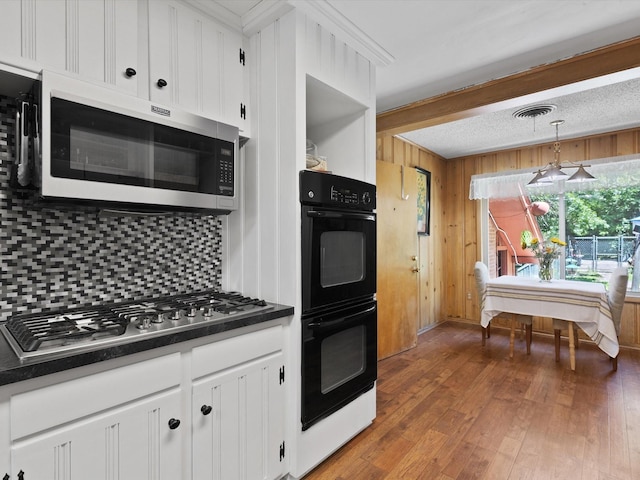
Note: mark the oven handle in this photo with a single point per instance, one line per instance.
(341, 321)
(345, 215)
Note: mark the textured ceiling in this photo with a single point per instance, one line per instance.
(439, 46)
(598, 110)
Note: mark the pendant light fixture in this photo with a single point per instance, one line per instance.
(554, 170)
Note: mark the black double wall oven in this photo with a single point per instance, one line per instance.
(339, 311)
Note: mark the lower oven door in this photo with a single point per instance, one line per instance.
(339, 359)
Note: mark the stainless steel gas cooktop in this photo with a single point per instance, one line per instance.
(90, 328)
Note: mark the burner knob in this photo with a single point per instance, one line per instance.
(175, 315)
(158, 318)
(191, 312)
(209, 311)
(144, 323)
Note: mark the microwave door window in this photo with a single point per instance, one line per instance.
(175, 168)
(92, 144)
(184, 160)
(342, 258)
(100, 154)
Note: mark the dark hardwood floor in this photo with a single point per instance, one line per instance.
(452, 409)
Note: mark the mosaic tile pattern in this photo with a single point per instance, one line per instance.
(53, 258)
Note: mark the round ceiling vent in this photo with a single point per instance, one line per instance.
(533, 111)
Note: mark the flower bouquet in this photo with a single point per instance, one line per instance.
(545, 251)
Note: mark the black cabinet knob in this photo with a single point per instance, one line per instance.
(174, 423)
(20, 475)
(130, 72)
(161, 82)
(6, 477)
(206, 409)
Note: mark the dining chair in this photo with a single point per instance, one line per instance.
(616, 293)
(481, 273)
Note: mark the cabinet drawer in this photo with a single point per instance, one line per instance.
(47, 407)
(218, 356)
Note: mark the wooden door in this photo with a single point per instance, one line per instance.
(397, 241)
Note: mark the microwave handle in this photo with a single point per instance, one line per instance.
(320, 326)
(344, 215)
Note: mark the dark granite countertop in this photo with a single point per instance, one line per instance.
(13, 369)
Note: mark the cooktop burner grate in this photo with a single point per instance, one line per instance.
(58, 327)
(67, 329)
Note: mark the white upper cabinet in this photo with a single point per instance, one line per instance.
(178, 56)
(94, 39)
(195, 63)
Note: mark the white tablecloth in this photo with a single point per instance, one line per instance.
(581, 302)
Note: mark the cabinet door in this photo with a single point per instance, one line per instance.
(120, 46)
(129, 442)
(10, 28)
(34, 33)
(95, 39)
(198, 59)
(242, 434)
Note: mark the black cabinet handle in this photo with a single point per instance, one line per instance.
(6, 477)
(206, 409)
(20, 475)
(130, 72)
(174, 423)
(161, 82)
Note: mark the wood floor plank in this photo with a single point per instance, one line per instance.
(451, 409)
(413, 465)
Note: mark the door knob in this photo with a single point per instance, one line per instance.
(414, 257)
(415, 269)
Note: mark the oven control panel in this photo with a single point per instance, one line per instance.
(324, 189)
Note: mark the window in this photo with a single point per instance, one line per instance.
(600, 222)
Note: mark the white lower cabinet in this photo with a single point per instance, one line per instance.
(238, 409)
(238, 423)
(123, 423)
(216, 411)
(135, 441)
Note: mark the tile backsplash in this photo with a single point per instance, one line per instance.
(77, 256)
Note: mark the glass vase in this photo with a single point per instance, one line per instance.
(545, 272)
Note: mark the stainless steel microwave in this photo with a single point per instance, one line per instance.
(81, 142)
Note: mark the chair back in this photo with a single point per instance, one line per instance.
(481, 273)
(616, 294)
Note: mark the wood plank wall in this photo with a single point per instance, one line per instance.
(454, 245)
(394, 150)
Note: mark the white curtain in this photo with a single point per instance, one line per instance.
(622, 171)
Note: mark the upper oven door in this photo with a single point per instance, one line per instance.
(338, 257)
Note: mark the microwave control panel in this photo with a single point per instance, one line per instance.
(225, 170)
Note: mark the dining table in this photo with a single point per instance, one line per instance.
(584, 303)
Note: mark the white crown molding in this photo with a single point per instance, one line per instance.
(340, 26)
(264, 13)
(218, 12)
(321, 11)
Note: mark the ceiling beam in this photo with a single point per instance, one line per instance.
(588, 70)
